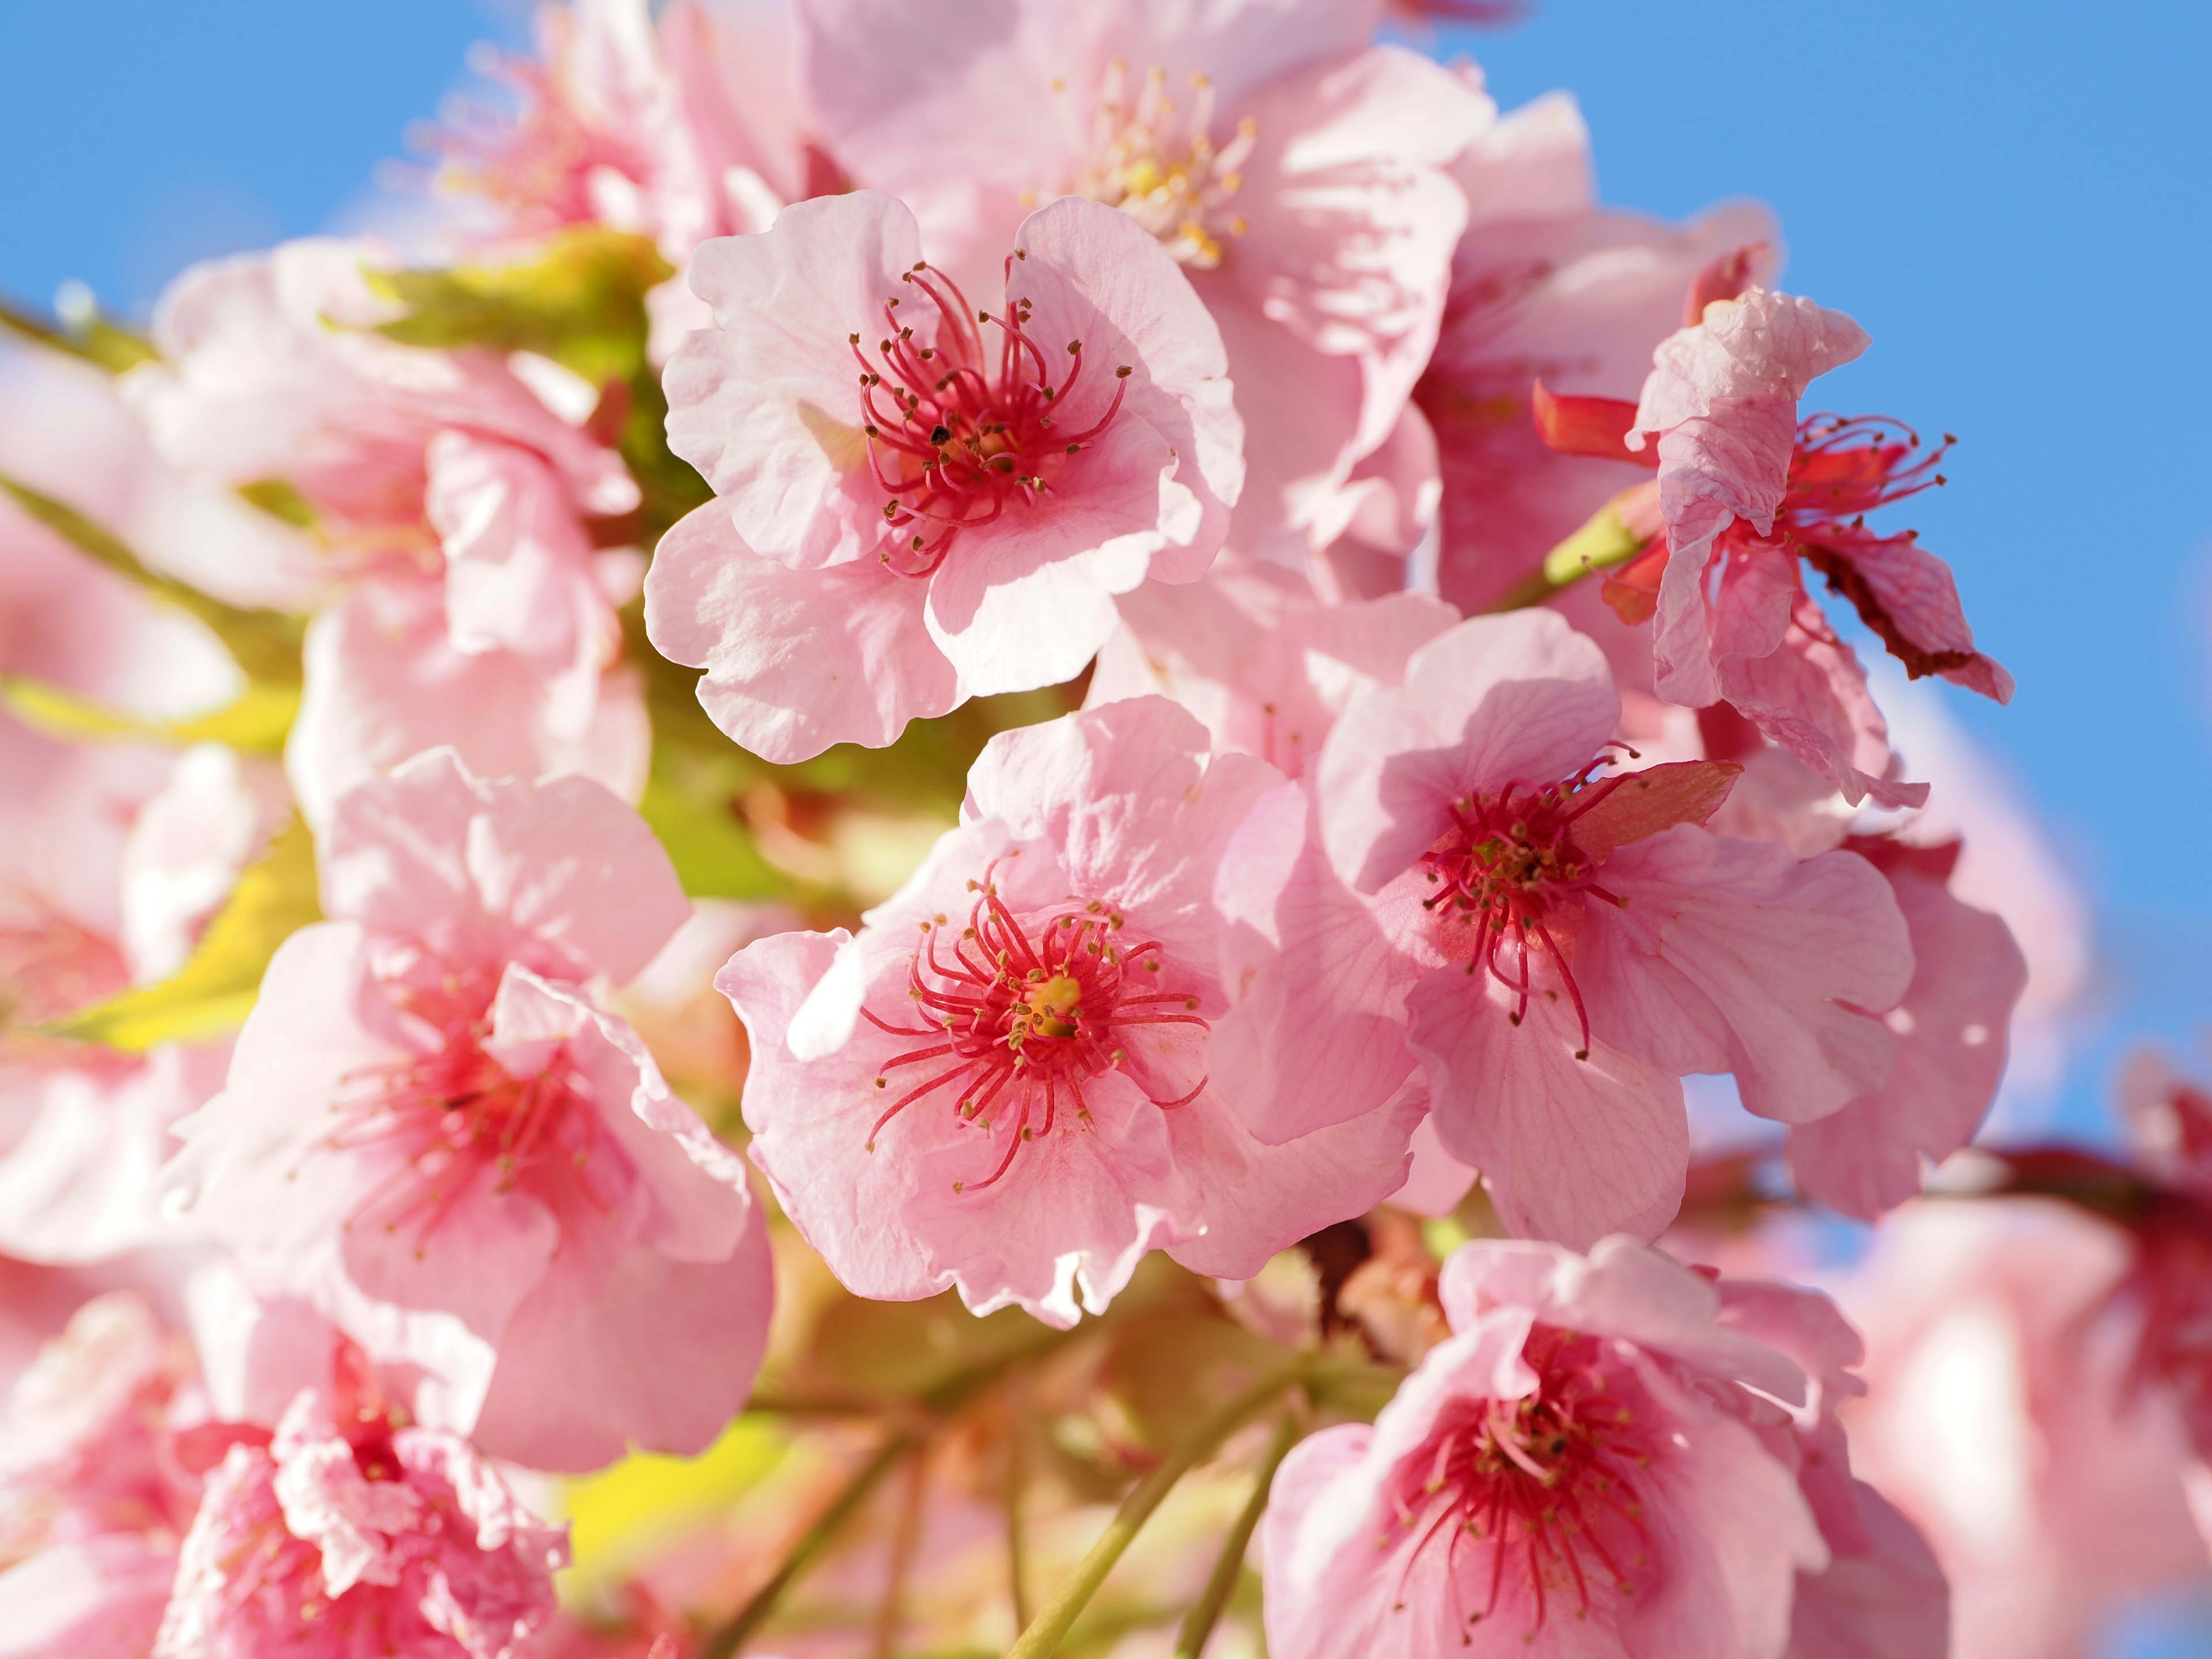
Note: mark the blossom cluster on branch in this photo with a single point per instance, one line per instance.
(922, 856)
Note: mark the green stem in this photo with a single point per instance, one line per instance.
(1043, 1637)
(1604, 541)
(1017, 1479)
(724, 1641)
(1198, 1624)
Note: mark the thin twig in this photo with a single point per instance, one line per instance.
(1603, 541)
(905, 1534)
(1042, 1635)
(723, 1642)
(1198, 1624)
(1017, 1480)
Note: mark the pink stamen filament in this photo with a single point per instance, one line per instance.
(1019, 1021)
(956, 445)
(1538, 1481)
(457, 1117)
(1506, 867)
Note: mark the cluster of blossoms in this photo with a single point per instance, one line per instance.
(1120, 669)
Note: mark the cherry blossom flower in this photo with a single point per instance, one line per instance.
(919, 504)
(1294, 170)
(93, 1498)
(1460, 889)
(1588, 1465)
(1744, 490)
(2003, 1417)
(432, 1132)
(1003, 1082)
(1547, 287)
(355, 1536)
(470, 606)
(679, 131)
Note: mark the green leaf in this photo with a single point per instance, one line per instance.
(580, 302)
(691, 803)
(266, 643)
(96, 340)
(280, 499)
(213, 992)
(258, 720)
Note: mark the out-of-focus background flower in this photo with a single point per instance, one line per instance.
(2015, 199)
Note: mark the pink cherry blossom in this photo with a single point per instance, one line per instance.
(343, 1534)
(917, 506)
(1546, 287)
(1951, 1027)
(93, 1499)
(2002, 1418)
(1744, 490)
(1460, 890)
(1587, 1466)
(679, 131)
(472, 609)
(1882, 1595)
(1252, 650)
(1003, 1083)
(432, 1130)
(1293, 169)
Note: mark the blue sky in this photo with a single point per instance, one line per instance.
(2014, 196)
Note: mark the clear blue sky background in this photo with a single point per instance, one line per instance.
(2014, 196)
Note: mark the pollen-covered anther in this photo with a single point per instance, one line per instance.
(1161, 164)
(1018, 1015)
(960, 444)
(1538, 1493)
(1500, 876)
(456, 1118)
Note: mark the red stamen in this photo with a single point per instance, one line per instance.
(1513, 1475)
(963, 438)
(1031, 1013)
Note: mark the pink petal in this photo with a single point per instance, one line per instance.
(1952, 1027)
(559, 873)
(1570, 1149)
(763, 404)
(1315, 1031)
(796, 660)
(1732, 955)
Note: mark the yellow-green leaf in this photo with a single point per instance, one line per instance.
(257, 721)
(266, 643)
(280, 499)
(622, 1512)
(213, 992)
(580, 301)
(688, 801)
(93, 338)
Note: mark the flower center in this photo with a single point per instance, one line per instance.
(458, 1119)
(1502, 874)
(1020, 1015)
(1542, 1486)
(1160, 164)
(959, 433)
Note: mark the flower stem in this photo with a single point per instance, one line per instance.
(1043, 1637)
(724, 1641)
(1017, 1482)
(1604, 541)
(1198, 1624)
